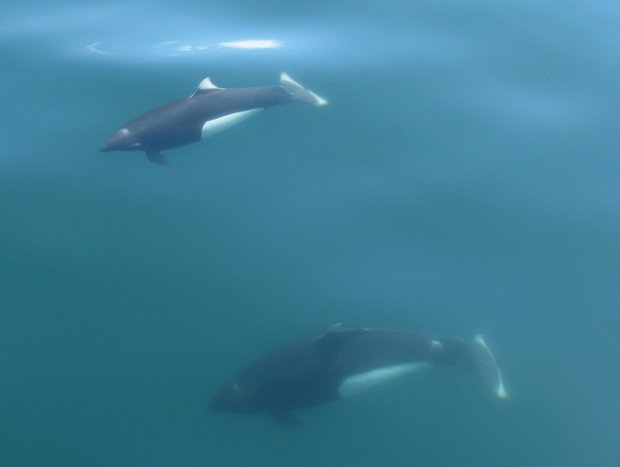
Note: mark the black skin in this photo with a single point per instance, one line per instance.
(308, 372)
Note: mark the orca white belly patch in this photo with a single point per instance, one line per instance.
(370, 379)
(216, 125)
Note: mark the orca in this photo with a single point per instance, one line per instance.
(209, 110)
(343, 362)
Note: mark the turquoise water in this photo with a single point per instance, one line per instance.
(463, 179)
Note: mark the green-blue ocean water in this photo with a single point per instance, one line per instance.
(464, 178)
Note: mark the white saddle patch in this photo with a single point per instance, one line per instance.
(217, 125)
(371, 379)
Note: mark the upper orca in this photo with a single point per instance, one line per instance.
(344, 361)
(207, 111)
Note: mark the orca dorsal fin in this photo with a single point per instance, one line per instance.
(206, 85)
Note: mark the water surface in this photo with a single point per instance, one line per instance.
(463, 179)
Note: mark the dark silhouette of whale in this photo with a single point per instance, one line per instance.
(207, 111)
(344, 361)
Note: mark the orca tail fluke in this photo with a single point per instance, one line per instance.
(299, 93)
(487, 367)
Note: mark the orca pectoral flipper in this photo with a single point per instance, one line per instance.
(156, 157)
(285, 418)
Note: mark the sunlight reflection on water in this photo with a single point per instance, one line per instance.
(119, 32)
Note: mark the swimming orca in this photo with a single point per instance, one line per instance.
(342, 362)
(207, 111)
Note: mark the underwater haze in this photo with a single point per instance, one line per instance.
(463, 179)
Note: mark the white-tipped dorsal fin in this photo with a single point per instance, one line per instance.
(205, 85)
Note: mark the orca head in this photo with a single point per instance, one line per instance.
(233, 397)
(122, 139)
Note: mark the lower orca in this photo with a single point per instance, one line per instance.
(342, 362)
(207, 111)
